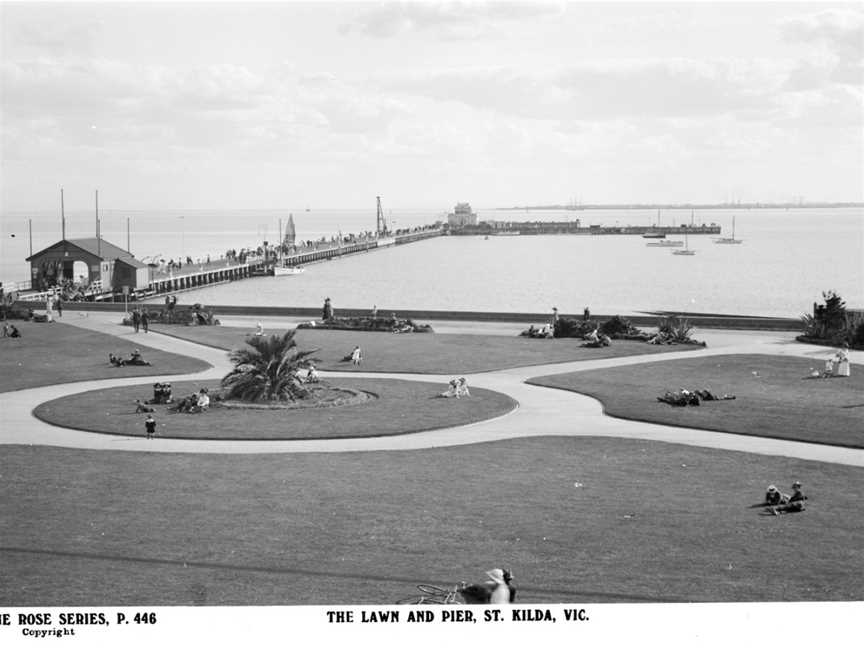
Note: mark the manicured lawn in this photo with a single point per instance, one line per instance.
(425, 352)
(774, 399)
(648, 522)
(49, 354)
(401, 406)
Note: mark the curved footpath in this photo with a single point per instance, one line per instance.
(542, 411)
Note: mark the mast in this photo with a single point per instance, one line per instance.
(30, 224)
(281, 242)
(128, 247)
(98, 228)
(62, 216)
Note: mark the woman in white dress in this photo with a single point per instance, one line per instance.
(841, 362)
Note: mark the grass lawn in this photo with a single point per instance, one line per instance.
(49, 354)
(774, 399)
(401, 407)
(424, 352)
(648, 522)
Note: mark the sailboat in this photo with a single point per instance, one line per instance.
(655, 234)
(729, 240)
(281, 269)
(686, 251)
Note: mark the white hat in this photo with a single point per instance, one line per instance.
(497, 575)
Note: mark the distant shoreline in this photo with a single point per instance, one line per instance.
(581, 207)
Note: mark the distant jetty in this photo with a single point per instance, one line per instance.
(527, 228)
(735, 205)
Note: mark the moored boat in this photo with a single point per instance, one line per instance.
(284, 271)
(730, 240)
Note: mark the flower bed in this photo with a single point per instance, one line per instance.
(384, 325)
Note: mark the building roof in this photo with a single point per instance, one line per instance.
(102, 249)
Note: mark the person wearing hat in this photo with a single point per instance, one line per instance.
(496, 591)
(773, 497)
(795, 503)
(841, 361)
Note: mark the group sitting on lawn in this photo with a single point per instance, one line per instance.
(596, 339)
(134, 359)
(544, 331)
(457, 388)
(777, 502)
(836, 366)
(311, 375)
(194, 403)
(161, 394)
(10, 330)
(695, 397)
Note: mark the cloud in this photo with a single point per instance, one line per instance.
(601, 91)
(839, 31)
(58, 40)
(449, 20)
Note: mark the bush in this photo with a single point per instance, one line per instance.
(566, 327)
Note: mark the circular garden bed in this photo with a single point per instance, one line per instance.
(378, 407)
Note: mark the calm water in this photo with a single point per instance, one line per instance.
(787, 259)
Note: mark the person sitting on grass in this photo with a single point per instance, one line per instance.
(203, 401)
(462, 387)
(795, 503)
(773, 497)
(14, 332)
(312, 374)
(117, 361)
(452, 389)
(593, 336)
(137, 359)
(141, 407)
(186, 405)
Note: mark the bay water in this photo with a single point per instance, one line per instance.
(787, 258)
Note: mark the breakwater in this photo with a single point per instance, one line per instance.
(523, 228)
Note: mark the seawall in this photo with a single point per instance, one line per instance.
(700, 320)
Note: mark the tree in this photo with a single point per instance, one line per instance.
(834, 315)
(266, 370)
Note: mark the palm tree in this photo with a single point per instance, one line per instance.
(268, 370)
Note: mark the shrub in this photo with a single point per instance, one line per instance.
(266, 370)
(567, 327)
(675, 329)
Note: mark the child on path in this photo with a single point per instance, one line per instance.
(356, 356)
(150, 426)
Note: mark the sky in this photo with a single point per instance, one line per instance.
(221, 105)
